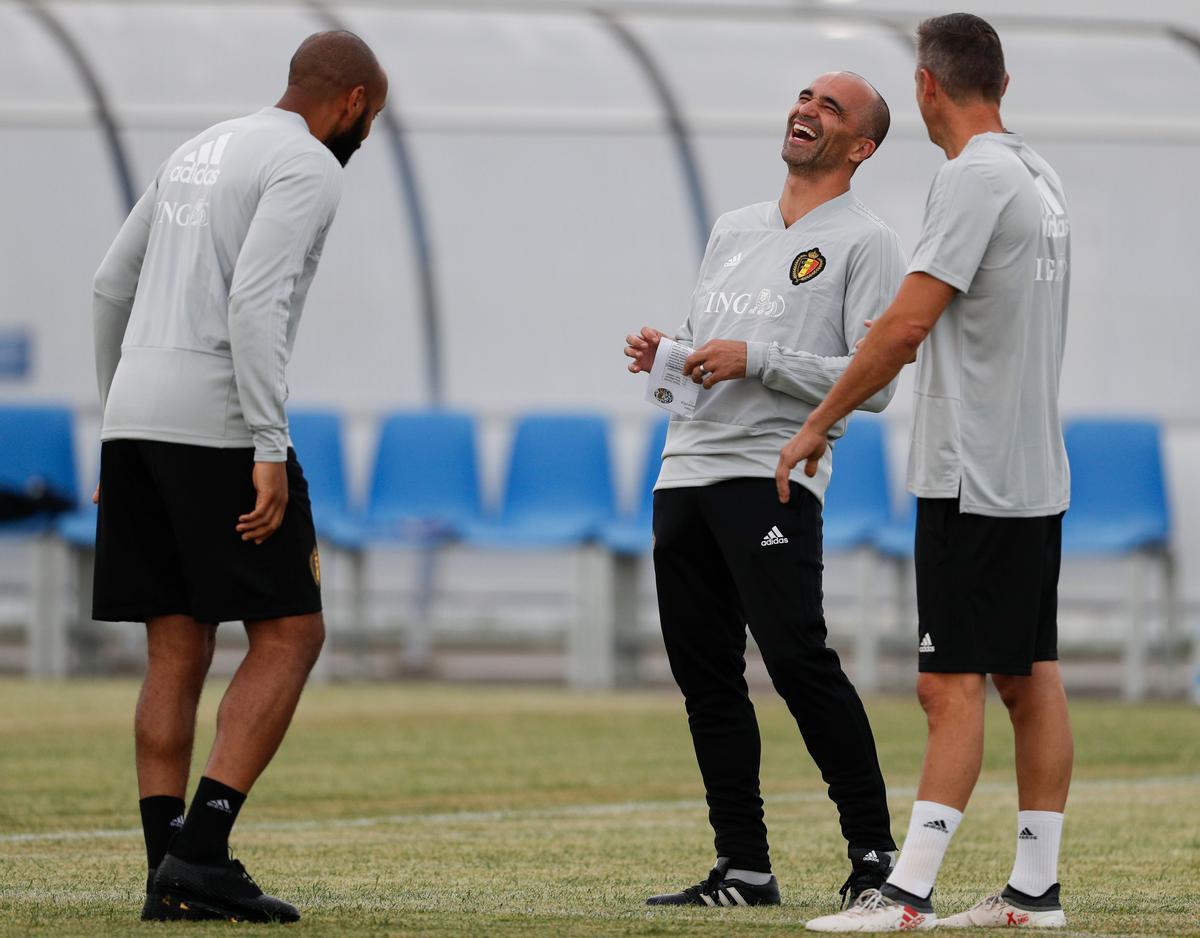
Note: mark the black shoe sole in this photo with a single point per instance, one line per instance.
(159, 908)
(179, 900)
(750, 899)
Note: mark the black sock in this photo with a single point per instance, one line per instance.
(205, 835)
(162, 817)
(902, 895)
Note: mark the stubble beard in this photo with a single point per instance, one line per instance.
(820, 161)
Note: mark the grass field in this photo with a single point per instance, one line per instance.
(448, 811)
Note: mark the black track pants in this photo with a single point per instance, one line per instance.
(727, 556)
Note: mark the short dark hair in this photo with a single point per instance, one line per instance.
(877, 117)
(963, 53)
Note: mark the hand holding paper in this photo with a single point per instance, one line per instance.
(670, 388)
(641, 346)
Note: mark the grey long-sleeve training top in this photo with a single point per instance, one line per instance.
(197, 302)
(799, 297)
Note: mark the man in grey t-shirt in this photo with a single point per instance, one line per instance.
(786, 290)
(986, 299)
(204, 511)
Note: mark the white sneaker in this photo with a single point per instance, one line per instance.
(1011, 909)
(876, 912)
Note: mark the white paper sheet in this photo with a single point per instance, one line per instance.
(669, 387)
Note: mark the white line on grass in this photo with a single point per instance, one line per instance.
(607, 809)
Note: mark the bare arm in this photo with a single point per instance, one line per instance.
(891, 343)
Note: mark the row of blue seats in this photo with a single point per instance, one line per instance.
(424, 486)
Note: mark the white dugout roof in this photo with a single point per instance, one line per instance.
(548, 171)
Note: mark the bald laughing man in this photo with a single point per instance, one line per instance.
(204, 511)
(786, 290)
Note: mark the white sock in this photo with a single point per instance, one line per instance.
(753, 877)
(929, 832)
(1038, 836)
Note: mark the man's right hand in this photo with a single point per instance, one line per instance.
(641, 346)
(270, 482)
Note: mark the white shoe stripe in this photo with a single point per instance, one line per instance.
(708, 900)
(723, 897)
(737, 896)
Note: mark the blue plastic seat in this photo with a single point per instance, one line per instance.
(37, 455)
(1118, 492)
(559, 489)
(317, 438)
(425, 483)
(633, 535)
(1119, 510)
(897, 539)
(78, 528)
(857, 505)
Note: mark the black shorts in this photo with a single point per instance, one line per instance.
(167, 544)
(987, 590)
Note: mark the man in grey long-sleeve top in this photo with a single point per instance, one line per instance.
(786, 290)
(204, 511)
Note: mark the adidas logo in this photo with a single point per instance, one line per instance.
(774, 536)
(1027, 834)
(938, 825)
(221, 804)
(926, 645)
(199, 166)
(735, 260)
(177, 823)
(872, 857)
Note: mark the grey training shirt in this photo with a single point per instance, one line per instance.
(799, 297)
(986, 426)
(198, 300)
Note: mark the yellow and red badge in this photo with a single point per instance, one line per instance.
(807, 265)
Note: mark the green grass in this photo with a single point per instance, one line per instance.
(508, 812)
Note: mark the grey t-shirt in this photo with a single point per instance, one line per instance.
(197, 302)
(799, 297)
(986, 426)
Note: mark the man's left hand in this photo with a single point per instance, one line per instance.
(716, 360)
(807, 445)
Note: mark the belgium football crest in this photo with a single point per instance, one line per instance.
(807, 265)
(314, 564)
